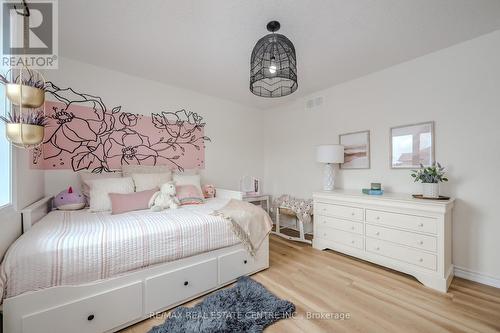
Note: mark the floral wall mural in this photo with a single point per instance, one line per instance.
(84, 134)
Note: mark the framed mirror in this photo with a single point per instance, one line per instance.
(412, 145)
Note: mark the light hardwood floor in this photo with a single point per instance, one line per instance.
(376, 299)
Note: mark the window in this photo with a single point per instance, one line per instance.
(5, 153)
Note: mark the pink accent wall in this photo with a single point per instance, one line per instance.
(84, 135)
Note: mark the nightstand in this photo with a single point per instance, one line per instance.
(260, 198)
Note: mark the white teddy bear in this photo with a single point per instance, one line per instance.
(165, 198)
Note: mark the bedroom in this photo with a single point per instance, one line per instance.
(231, 109)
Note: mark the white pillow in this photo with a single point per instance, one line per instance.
(195, 180)
(128, 169)
(148, 181)
(100, 189)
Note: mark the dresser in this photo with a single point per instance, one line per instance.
(409, 235)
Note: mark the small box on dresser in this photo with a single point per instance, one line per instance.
(394, 230)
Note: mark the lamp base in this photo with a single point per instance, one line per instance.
(328, 180)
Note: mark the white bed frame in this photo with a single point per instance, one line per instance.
(112, 304)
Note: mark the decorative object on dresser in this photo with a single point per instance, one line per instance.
(430, 177)
(412, 145)
(356, 150)
(375, 189)
(300, 209)
(393, 230)
(329, 154)
(256, 198)
(250, 185)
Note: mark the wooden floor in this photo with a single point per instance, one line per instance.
(374, 298)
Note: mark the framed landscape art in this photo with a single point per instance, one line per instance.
(412, 145)
(356, 150)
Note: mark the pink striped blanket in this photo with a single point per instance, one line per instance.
(71, 248)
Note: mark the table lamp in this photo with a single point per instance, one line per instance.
(329, 154)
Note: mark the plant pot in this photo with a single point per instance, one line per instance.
(25, 96)
(430, 190)
(25, 134)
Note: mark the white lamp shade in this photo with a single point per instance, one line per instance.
(330, 154)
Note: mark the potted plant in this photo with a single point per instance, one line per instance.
(26, 130)
(25, 90)
(430, 177)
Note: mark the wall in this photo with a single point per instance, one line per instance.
(27, 187)
(458, 88)
(235, 130)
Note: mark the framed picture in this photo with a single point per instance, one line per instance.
(356, 150)
(412, 145)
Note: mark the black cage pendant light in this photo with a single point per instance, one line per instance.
(273, 65)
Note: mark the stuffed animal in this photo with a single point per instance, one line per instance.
(209, 191)
(165, 198)
(69, 200)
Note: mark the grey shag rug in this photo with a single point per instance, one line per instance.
(246, 307)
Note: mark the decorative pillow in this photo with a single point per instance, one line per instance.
(195, 180)
(85, 176)
(189, 195)
(100, 189)
(122, 203)
(147, 181)
(130, 169)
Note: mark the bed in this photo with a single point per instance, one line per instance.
(96, 272)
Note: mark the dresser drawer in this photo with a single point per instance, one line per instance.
(341, 211)
(172, 287)
(410, 222)
(345, 225)
(94, 314)
(418, 241)
(401, 253)
(341, 237)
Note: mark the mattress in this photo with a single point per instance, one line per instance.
(72, 248)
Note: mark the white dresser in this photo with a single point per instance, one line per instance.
(394, 230)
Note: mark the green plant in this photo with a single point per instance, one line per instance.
(31, 118)
(432, 174)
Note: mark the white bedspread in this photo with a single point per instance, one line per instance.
(71, 248)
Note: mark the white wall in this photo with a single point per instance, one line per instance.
(236, 131)
(458, 88)
(27, 187)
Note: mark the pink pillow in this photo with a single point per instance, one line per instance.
(189, 195)
(122, 203)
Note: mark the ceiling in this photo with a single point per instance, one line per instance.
(205, 45)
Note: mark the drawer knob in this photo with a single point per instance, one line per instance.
(245, 261)
(421, 225)
(377, 233)
(352, 242)
(377, 248)
(186, 283)
(90, 317)
(353, 213)
(352, 228)
(421, 242)
(421, 260)
(377, 218)
(324, 234)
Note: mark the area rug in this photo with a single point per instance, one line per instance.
(246, 307)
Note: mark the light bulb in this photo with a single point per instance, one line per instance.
(272, 69)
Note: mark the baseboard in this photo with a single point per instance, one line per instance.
(477, 277)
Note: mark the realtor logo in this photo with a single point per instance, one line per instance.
(29, 34)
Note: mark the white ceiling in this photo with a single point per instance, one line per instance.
(205, 45)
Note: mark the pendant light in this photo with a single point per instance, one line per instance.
(273, 65)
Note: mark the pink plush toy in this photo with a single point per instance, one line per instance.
(209, 191)
(69, 200)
